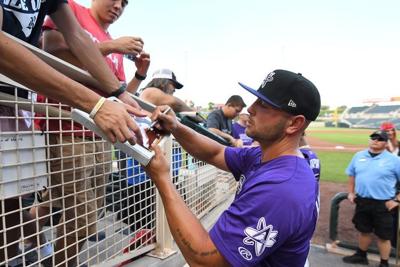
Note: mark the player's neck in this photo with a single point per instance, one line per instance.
(284, 147)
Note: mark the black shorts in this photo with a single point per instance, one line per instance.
(373, 216)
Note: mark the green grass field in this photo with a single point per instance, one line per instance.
(334, 163)
(341, 136)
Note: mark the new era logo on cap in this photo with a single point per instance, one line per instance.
(291, 103)
(290, 92)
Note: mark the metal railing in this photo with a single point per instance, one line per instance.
(68, 197)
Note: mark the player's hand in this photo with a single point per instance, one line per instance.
(158, 166)
(128, 45)
(351, 197)
(167, 122)
(114, 120)
(142, 63)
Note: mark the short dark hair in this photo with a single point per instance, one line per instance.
(236, 100)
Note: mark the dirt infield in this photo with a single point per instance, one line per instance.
(328, 190)
(318, 144)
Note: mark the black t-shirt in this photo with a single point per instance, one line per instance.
(23, 19)
(216, 119)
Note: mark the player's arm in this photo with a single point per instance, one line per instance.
(192, 239)
(159, 98)
(199, 146)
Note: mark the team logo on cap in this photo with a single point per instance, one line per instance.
(269, 78)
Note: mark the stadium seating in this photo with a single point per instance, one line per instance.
(370, 117)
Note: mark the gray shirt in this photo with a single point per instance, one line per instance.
(217, 120)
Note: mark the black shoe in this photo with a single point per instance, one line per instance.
(356, 258)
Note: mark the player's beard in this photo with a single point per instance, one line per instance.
(273, 134)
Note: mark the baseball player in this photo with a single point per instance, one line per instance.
(274, 213)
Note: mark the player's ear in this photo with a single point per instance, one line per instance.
(295, 124)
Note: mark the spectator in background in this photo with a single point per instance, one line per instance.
(80, 161)
(393, 144)
(373, 174)
(220, 121)
(239, 129)
(161, 88)
(24, 22)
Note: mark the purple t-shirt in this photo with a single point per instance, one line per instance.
(273, 216)
(239, 132)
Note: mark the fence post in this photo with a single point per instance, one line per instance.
(333, 219)
(164, 238)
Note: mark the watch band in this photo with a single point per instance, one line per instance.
(119, 91)
(139, 77)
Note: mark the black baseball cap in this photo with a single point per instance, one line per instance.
(380, 134)
(290, 92)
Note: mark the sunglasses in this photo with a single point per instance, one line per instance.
(377, 138)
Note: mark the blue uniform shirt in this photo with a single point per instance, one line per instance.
(375, 177)
(273, 216)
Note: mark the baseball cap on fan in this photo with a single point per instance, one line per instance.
(167, 74)
(290, 92)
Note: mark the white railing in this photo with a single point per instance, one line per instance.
(96, 205)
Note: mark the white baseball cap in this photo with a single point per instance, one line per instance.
(167, 74)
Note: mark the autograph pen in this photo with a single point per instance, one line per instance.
(155, 122)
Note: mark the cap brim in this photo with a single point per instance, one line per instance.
(378, 135)
(257, 94)
(178, 85)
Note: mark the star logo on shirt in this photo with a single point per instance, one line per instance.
(262, 237)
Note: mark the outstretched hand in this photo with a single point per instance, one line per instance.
(142, 63)
(114, 120)
(128, 45)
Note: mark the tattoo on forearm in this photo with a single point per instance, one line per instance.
(189, 246)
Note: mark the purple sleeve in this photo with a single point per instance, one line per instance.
(233, 232)
(235, 160)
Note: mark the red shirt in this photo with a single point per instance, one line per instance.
(114, 61)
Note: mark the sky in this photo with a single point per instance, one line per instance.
(350, 49)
